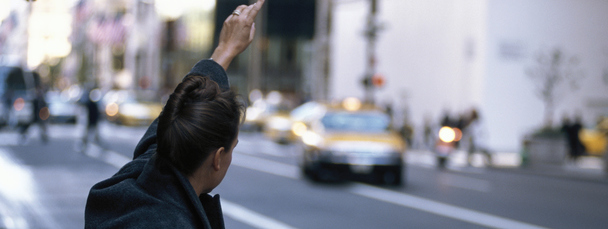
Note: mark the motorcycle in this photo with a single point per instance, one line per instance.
(446, 144)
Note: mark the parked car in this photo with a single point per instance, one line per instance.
(350, 140)
(62, 107)
(17, 90)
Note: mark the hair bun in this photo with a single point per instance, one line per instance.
(192, 89)
(200, 88)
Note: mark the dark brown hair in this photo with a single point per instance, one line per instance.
(198, 119)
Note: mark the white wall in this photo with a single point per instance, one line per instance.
(522, 28)
(422, 52)
(456, 54)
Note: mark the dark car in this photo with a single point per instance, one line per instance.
(17, 90)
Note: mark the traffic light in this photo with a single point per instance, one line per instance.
(378, 80)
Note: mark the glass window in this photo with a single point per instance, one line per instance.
(359, 122)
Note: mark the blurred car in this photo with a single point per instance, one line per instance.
(350, 140)
(284, 126)
(262, 110)
(124, 108)
(596, 140)
(277, 127)
(62, 107)
(17, 90)
(256, 115)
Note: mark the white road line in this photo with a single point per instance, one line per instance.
(398, 198)
(438, 208)
(18, 187)
(251, 218)
(261, 147)
(267, 166)
(232, 210)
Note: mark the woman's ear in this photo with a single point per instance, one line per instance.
(217, 159)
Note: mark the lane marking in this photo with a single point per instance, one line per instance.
(398, 198)
(267, 166)
(250, 217)
(230, 209)
(438, 208)
(263, 147)
(18, 188)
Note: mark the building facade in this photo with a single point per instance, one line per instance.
(451, 56)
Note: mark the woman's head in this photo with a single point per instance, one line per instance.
(197, 120)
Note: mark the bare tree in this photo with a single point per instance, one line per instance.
(551, 69)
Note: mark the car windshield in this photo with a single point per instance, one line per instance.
(359, 122)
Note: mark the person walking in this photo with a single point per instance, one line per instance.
(186, 151)
(572, 131)
(40, 112)
(93, 116)
(474, 134)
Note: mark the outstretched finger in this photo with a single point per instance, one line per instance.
(252, 32)
(252, 10)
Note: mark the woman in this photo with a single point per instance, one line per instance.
(185, 153)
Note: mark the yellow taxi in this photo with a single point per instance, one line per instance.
(277, 127)
(123, 107)
(285, 126)
(348, 140)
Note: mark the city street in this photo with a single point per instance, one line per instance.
(46, 185)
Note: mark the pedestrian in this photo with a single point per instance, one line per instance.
(429, 136)
(572, 131)
(475, 135)
(93, 115)
(40, 112)
(185, 152)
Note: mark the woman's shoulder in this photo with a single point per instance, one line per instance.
(130, 198)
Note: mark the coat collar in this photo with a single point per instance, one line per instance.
(162, 179)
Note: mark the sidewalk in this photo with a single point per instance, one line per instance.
(587, 168)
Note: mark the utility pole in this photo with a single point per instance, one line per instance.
(320, 61)
(371, 32)
(255, 68)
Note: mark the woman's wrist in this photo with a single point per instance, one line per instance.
(222, 56)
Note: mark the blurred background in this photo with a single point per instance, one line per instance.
(333, 87)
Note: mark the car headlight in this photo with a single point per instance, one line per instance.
(312, 139)
(279, 123)
(253, 113)
(138, 111)
(112, 109)
(298, 128)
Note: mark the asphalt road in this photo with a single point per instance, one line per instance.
(45, 186)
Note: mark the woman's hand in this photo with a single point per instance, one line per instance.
(237, 33)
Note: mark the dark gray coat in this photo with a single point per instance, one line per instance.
(149, 192)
